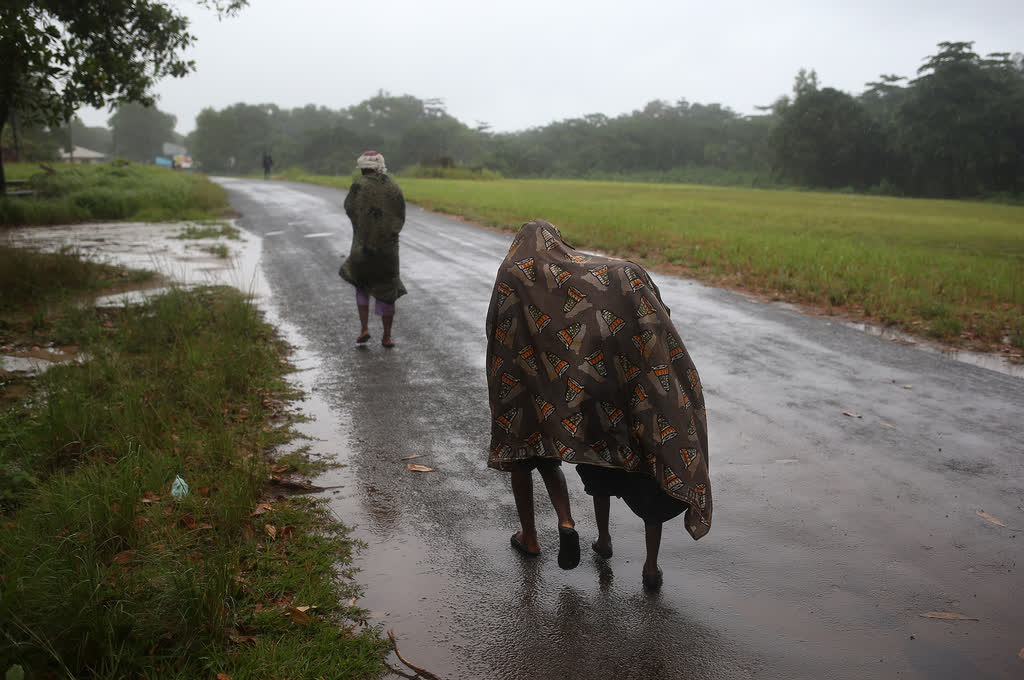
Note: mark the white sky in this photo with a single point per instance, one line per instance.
(527, 63)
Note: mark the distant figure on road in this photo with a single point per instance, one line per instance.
(376, 207)
(584, 366)
(267, 163)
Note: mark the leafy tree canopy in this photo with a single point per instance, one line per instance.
(59, 55)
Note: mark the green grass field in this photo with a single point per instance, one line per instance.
(83, 193)
(950, 270)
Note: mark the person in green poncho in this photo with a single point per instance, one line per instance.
(376, 207)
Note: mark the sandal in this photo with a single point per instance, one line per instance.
(388, 343)
(605, 552)
(363, 338)
(568, 548)
(521, 547)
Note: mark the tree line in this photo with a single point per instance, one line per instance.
(954, 130)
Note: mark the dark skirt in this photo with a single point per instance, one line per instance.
(642, 494)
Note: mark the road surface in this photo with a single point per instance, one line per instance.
(832, 534)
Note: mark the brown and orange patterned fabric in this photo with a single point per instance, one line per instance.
(584, 366)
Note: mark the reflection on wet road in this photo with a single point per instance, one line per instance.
(833, 533)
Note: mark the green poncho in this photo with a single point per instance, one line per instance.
(377, 209)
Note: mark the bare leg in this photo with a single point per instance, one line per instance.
(652, 534)
(558, 492)
(387, 321)
(522, 492)
(602, 508)
(568, 539)
(364, 319)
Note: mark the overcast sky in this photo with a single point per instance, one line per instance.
(527, 63)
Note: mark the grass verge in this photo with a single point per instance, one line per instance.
(950, 270)
(125, 191)
(104, 573)
(31, 281)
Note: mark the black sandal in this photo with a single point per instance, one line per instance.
(568, 548)
(363, 338)
(521, 547)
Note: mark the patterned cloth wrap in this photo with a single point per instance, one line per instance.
(584, 366)
(376, 207)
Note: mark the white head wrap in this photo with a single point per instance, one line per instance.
(372, 160)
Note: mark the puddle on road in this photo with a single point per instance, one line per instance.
(993, 362)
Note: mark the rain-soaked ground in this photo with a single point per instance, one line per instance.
(833, 533)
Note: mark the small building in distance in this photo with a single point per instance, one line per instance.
(83, 155)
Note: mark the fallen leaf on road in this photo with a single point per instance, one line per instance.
(271, 530)
(948, 616)
(908, 387)
(260, 509)
(411, 457)
(885, 424)
(989, 518)
(1020, 654)
(1021, 508)
(420, 468)
(852, 415)
(299, 617)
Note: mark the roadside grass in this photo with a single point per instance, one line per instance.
(32, 279)
(950, 270)
(201, 231)
(103, 573)
(219, 250)
(113, 191)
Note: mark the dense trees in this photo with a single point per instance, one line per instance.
(139, 132)
(956, 130)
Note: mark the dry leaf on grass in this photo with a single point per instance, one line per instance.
(223, 676)
(989, 518)
(419, 455)
(947, 616)
(260, 509)
(352, 602)
(420, 468)
(852, 415)
(298, 616)
(123, 557)
(271, 530)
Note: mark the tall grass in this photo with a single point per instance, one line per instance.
(104, 573)
(946, 269)
(28, 277)
(81, 193)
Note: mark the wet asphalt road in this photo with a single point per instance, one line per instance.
(832, 534)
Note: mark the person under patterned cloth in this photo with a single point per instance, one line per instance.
(584, 366)
(376, 207)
